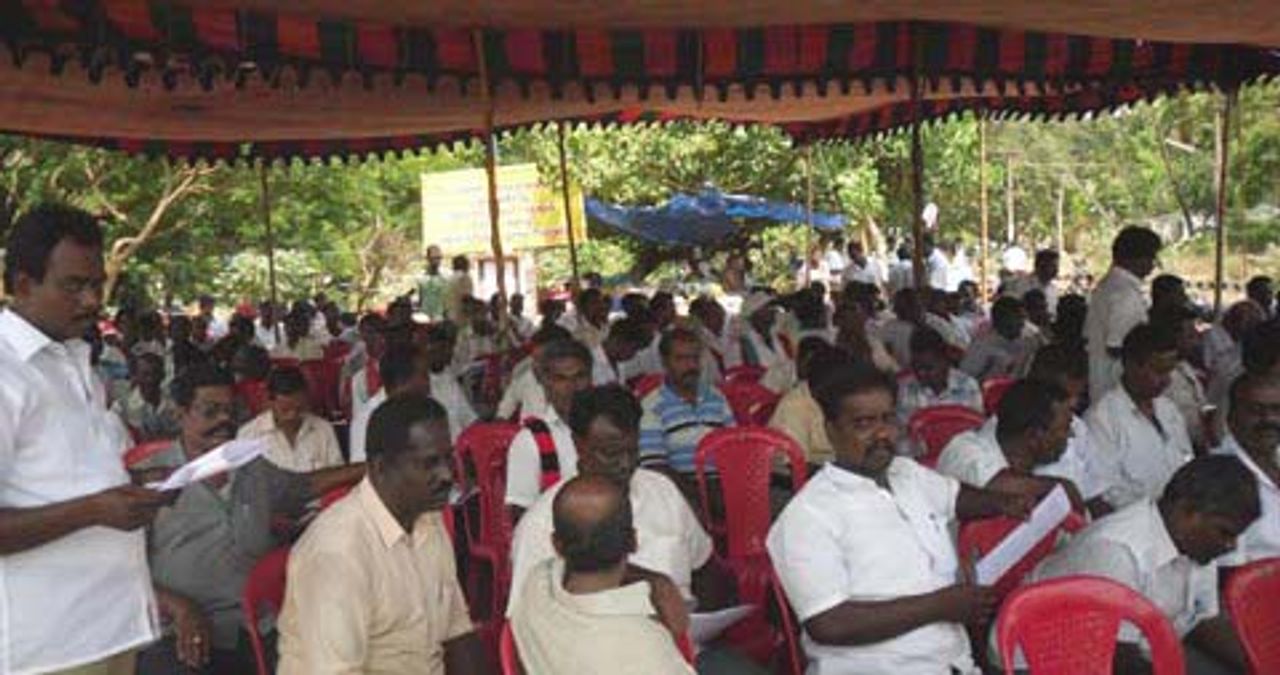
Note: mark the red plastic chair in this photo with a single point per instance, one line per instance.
(743, 372)
(481, 460)
(254, 395)
(141, 453)
(751, 402)
(265, 586)
(1250, 597)
(646, 384)
(1068, 626)
(933, 427)
(980, 536)
(790, 627)
(993, 389)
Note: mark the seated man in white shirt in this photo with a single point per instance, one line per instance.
(298, 343)
(299, 440)
(438, 349)
(864, 550)
(670, 542)
(579, 612)
(896, 332)
(1165, 550)
(146, 409)
(1223, 353)
(1005, 350)
(1253, 426)
(524, 393)
(543, 452)
(404, 368)
(610, 360)
(1185, 388)
(1137, 434)
(798, 414)
(722, 349)
(1009, 453)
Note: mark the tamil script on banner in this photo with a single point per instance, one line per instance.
(455, 211)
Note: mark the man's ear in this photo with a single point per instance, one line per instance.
(632, 540)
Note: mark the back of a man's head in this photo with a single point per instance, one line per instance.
(1215, 485)
(592, 522)
(1135, 243)
(398, 365)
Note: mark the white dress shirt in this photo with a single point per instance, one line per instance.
(523, 394)
(1262, 539)
(843, 538)
(448, 393)
(1222, 361)
(602, 370)
(316, 446)
(524, 465)
(896, 335)
(974, 458)
(360, 426)
(1116, 306)
(1132, 546)
(669, 538)
(1138, 457)
(1022, 284)
(87, 595)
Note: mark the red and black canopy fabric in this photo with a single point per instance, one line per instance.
(249, 80)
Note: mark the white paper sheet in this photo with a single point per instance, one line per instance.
(707, 626)
(1047, 515)
(225, 457)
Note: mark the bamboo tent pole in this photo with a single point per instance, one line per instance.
(568, 204)
(490, 169)
(265, 204)
(984, 236)
(917, 169)
(808, 232)
(1222, 159)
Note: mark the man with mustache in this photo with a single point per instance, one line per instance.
(682, 411)
(372, 584)
(77, 594)
(864, 550)
(1166, 549)
(1254, 425)
(202, 548)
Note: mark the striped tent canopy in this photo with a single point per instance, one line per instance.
(240, 79)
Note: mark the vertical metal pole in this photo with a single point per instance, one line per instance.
(490, 169)
(568, 204)
(1222, 157)
(984, 235)
(265, 202)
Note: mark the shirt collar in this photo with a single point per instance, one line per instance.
(1231, 446)
(629, 600)
(24, 338)
(389, 529)
(1162, 544)
(1129, 278)
(846, 479)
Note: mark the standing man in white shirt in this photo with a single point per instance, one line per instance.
(543, 452)
(445, 389)
(864, 550)
(298, 440)
(862, 269)
(76, 588)
(1043, 278)
(1137, 434)
(405, 369)
(1253, 424)
(1117, 305)
(1165, 550)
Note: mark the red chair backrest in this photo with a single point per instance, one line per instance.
(935, 426)
(790, 626)
(265, 586)
(743, 372)
(752, 403)
(980, 536)
(1251, 603)
(141, 453)
(254, 395)
(481, 456)
(744, 458)
(993, 389)
(1068, 626)
(646, 384)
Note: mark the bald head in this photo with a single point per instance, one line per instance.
(592, 519)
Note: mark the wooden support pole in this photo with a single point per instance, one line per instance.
(918, 267)
(265, 204)
(808, 232)
(1222, 158)
(568, 203)
(983, 236)
(490, 169)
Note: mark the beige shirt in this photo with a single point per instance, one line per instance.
(560, 633)
(316, 446)
(364, 596)
(799, 417)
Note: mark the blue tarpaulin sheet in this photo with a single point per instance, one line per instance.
(704, 219)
